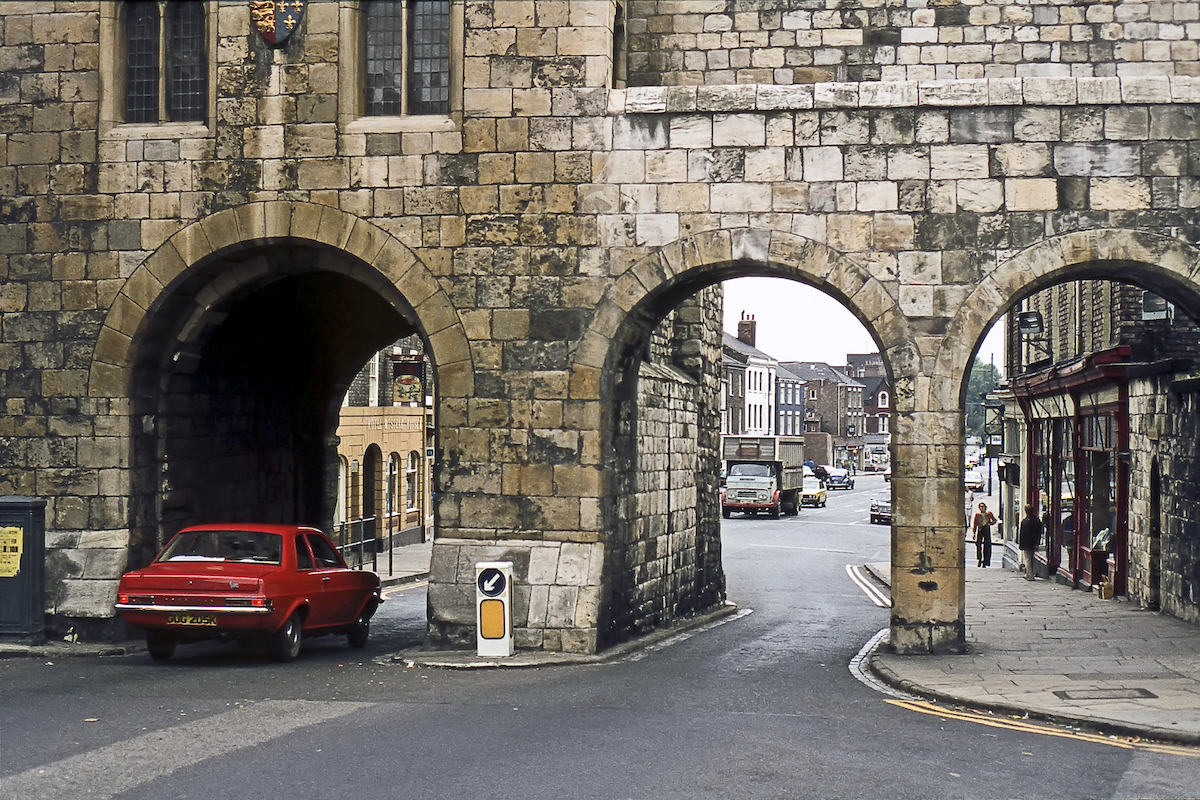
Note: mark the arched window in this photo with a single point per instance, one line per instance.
(883, 400)
(339, 511)
(412, 481)
(393, 484)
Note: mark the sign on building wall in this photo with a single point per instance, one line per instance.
(11, 545)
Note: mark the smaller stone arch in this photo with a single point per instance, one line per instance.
(377, 260)
(1162, 263)
(690, 263)
(637, 516)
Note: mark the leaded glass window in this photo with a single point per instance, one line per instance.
(188, 82)
(165, 58)
(141, 62)
(429, 86)
(407, 57)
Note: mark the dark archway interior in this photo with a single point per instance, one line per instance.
(240, 424)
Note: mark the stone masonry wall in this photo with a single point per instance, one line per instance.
(522, 234)
(665, 559)
(712, 42)
(1165, 425)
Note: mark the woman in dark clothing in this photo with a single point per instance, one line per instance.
(981, 526)
(1028, 537)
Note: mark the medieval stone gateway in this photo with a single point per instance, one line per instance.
(554, 238)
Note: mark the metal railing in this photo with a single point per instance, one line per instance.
(356, 541)
(360, 541)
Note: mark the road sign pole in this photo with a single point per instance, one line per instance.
(493, 608)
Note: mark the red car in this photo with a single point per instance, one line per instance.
(251, 583)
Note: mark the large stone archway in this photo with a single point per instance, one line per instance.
(178, 303)
(382, 262)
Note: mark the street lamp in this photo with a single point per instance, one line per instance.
(993, 431)
(1031, 328)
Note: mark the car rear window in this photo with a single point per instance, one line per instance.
(324, 553)
(251, 546)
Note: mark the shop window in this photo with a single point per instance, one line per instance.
(165, 61)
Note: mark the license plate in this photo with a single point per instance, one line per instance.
(205, 620)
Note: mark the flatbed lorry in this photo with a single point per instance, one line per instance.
(764, 474)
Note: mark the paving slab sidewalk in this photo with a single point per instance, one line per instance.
(1042, 648)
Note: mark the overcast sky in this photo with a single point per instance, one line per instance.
(799, 323)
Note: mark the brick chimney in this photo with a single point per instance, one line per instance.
(746, 328)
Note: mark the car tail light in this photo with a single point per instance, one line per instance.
(248, 602)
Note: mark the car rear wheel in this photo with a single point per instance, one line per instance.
(285, 642)
(359, 631)
(160, 645)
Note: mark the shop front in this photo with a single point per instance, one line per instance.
(1077, 424)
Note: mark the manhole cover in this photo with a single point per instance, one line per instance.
(1137, 693)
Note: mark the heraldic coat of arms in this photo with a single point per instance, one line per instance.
(276, 19)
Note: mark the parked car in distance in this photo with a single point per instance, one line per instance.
(838, 478)
(256, 584)
(881, 508)
(974, 480)
(813, 492)
(887, 475)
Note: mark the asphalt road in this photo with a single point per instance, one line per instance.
(761, 706)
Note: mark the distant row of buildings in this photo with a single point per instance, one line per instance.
(842, 412)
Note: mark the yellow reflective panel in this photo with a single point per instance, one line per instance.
(491, 619)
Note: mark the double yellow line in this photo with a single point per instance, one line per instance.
(1015, 724)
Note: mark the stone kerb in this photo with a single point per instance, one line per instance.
(1046, 91)
(378, 260)
(1160, 258)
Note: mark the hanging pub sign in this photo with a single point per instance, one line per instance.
(408, 372)
(276, 19)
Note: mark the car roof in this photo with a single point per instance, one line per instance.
(259, 527)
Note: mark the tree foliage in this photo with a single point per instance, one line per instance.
(983, 379)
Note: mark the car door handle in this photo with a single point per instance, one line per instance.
(325, 579)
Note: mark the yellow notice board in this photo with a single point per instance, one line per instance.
(11, 541)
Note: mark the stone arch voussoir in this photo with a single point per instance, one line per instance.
(377, 259)
(741, 251)
(1077, 254)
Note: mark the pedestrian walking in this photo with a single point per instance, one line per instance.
(981, 526)
(1028, 537)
